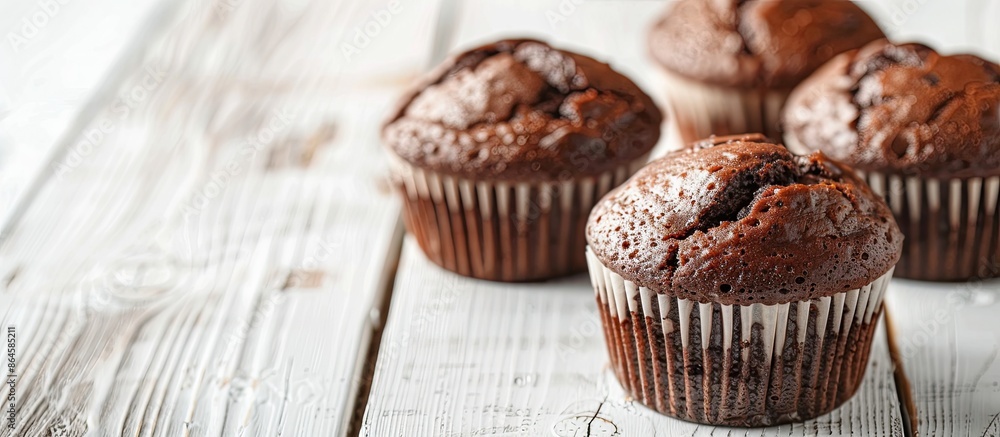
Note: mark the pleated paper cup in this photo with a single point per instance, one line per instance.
(502, 231)
(952, 226)
(702, 110)
(736, 365)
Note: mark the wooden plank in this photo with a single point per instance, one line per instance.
(56, 57)
(948, 339)
(467, 357)
(946, 335)
(210, 266)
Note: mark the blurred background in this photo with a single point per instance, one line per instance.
(58, 53)
(194, 215)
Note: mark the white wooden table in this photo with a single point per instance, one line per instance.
(198, 237)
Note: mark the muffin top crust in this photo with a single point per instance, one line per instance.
(522, 110)
(739, 220)
(751, 43)
(901, 109)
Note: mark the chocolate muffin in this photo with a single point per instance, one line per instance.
(730, 64)
(924, 130)
(501, 152)
(739, 284)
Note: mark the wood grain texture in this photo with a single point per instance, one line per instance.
(468, 357)
(51, 73)
(465, 357)
(210, 264)
(948, 339)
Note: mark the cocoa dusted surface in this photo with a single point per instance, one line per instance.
(750, 43)
(738, 220)
(522, 110)
(902, 109)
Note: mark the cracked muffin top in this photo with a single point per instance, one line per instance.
(902, 109)
(749, 43)
(520, 109)
(739, 220)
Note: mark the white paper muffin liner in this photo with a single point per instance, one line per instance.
(736, 365)
(505, 231)
(952, 226)
(701, 110)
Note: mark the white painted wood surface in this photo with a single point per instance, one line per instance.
(449, 363)
(56, 61)
(948, 339)
(210, 265)
(465, 357)
(468, 357)
(156, 291)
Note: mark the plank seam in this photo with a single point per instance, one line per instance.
(365, 371)
(126, 64)
(907, 407)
